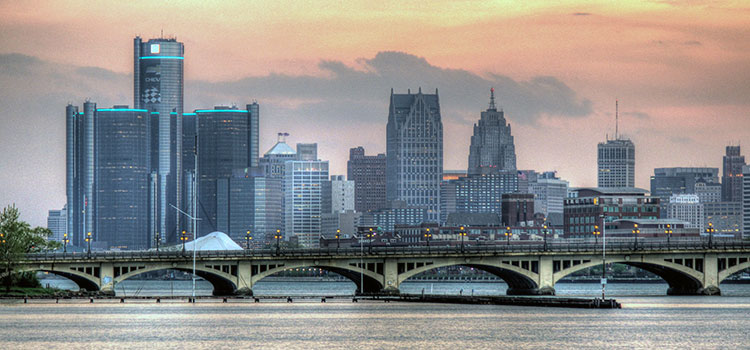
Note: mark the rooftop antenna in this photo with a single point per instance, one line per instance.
(492, 99)
(617, 120)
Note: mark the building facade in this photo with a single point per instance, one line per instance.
(249, 201)
(726, 217)
(57, 222)
(338, 195)
(307, 151)
(518, 209)
(414, 151)
(586, 208)
(616, 163)
(686, 207)
(478, 193)
(668, 181)
(368, 174)
(745, 201)
(492, 148)
(303, 200)
(549, 195)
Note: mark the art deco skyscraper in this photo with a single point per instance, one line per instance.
(158, 87)
(731, 178)
(492, 147)
(414, 151)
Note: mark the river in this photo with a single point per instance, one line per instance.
(648, 320)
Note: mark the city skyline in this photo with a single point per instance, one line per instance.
(665, 117)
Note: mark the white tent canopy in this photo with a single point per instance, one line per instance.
(213, 241)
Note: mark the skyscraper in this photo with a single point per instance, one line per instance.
(414, 151)
(108, 153)
(679, 180)
(223, 135)
(492, 148)
(303, 200)
(307, 151)
(368, 174)
(158, 83)
(57, 223)
(731, 178)
(616, 160)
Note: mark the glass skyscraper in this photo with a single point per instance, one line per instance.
(303, 200)
(414, 151)
(158, 87)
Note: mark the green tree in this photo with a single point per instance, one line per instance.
(17, 238)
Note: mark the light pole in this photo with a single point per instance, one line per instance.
(710, 230)
(668, 232)
(370, 235)
(248, 238)
(544, 231)
(158, 240)
(462, 233)
(361, 265)
(65, 241)
(508, 233)
(604, 253)
(338, 239)
(277, 237)
(427, 237)
(183, 238)
(636, 231)
(88, 241)
(596, 235)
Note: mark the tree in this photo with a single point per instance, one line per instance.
(17, 238)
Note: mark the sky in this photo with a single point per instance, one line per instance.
(322, 71)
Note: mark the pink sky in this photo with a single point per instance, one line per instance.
(681, 71)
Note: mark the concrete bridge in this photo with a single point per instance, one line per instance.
(527, 269)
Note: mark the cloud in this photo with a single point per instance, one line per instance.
(637, 115)
(581, 14)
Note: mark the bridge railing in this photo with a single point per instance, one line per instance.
(473, 248)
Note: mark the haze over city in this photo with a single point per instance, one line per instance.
(323, 74)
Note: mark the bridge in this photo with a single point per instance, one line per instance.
(690, 269)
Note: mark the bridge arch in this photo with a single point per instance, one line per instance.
(724, 274)
(520, 281)
(223, 282)
(682, 280)
(84, 281)
(373, 281)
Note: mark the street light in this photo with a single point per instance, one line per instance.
(508, 233)
(277, 236)
(462, 233)
(183, 238)
(710, 230)
(370, 235)
(427, 237)
(636, 231)
(596, 235)
(544, 231)
(338, 239)
(248, 238)
(65, 241)
(668, 232)
(157, 239)
(88, 241)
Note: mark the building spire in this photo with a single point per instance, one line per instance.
(617, 120)
(492, 99)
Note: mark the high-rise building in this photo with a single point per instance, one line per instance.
(108, 163)
(616, 163)
(273, 161)
(253, 141)
(686, 207)
(731, 177)
(307, 151)
(303, 200)
(517, 209)
(249, 201)
(708, 192)
(492, 148)
(222, 149)
(549, 195)
(745, 201)
(158, 83)
(368, 174)
(482, 193)
(57, 221)
(586, 208)
(414, 151)
(668, 181)
(338, 195)
(398, 214)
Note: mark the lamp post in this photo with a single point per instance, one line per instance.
(338, 239)
(427, 237)
(157, 239)
(508, 233)
(604, 253)
(248, 238)
(544, 232)
(636, 231)
(462, 233)
(370, 235)
(668, 232)
(710, 230)
(184, 235)
(65, 241)
(88, 241)
(183, 238)
(277, 236)
(596, 235)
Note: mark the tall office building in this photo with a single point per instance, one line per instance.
(616, 163)
(158, 83)
(414, 151)
(549, 195)
(731, 178)
(254, 137)
(303, 200)
(57, 221)
(223, 136)
(338, 195)
(108, 162)
(668, 181)
(368, 174)
(492, 148)
(686, 207)
(745, 201)
(248, 201)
